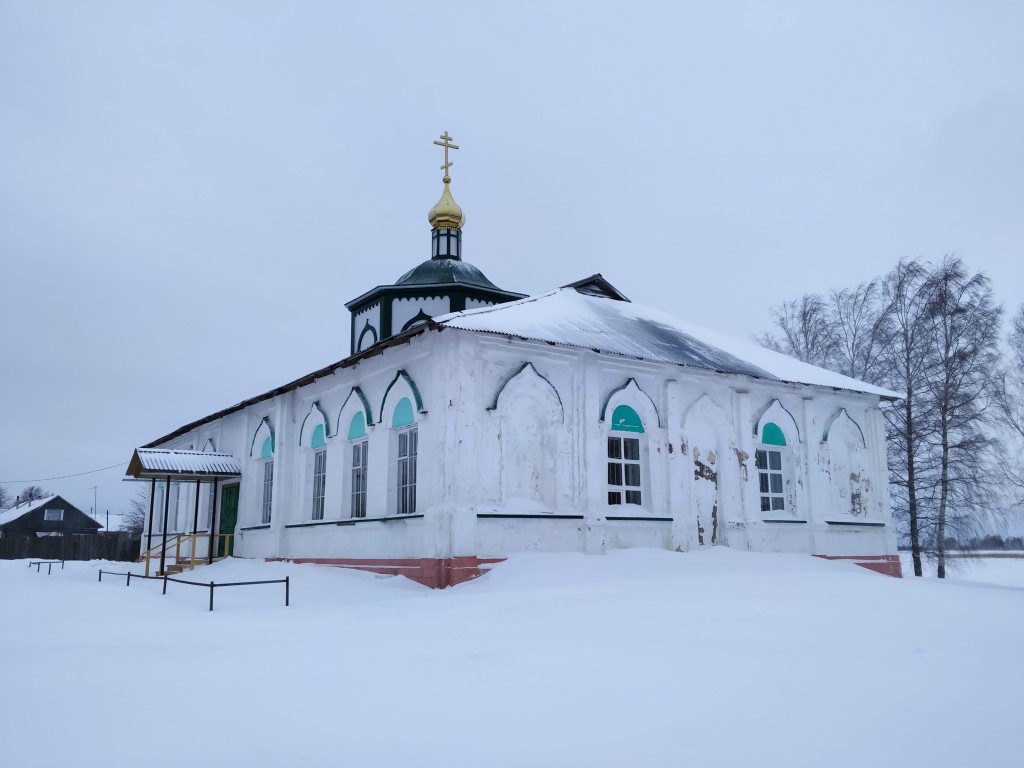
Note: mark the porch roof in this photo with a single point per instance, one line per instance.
(163, 463)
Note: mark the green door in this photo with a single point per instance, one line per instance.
(228, 518)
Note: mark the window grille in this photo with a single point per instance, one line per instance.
(769, 478)
(268, 490)
(407, 471)
(624, 470)
(319, 483)
(359, 478)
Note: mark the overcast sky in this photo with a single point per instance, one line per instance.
(190, 191)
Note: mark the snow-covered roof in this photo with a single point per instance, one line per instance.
(7, 515)
(567, 317)
(193, 465)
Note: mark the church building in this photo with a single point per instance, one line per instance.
(471, 422)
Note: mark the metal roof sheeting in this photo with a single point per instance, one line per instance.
(163, 462)
(567, 317)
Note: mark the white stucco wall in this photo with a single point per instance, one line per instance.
(405, 309)
(512, 457)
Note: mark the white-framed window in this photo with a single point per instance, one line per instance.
(407, 439)
(358, 495)
(319, 482)
(624, 470)
(769, 478)
(268, 489)
(769, 460)
(53, 515)
(625, 478)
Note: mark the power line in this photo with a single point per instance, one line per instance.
(63, 477)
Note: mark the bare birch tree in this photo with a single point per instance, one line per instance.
(858, 327)
(964, 323)
(134, 519)
(806, 330)
(1010, 406)
(906, 299)
(33, 493)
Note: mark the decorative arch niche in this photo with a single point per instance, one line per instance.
(367, 337)
(355, 403)
(315, 428)
(782, 426)
(631, 395)
(705, 426)
(401, 386)
(527, 381)
(263, 443)
(529, 416)
(841, 426)
(846, 453)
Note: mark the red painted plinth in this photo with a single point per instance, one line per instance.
(435, 572)
(888, 565)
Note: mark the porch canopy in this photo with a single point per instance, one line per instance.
(165, 464)
(180, 466)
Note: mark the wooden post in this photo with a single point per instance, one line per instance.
(195, 527)
(214, 540)
(163, 546)
(149, 534)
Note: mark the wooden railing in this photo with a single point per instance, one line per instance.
(190, 539)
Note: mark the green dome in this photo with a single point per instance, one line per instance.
(445, 271)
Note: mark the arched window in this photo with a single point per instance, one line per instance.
(318, 443)
(263, 447)
(404, 422)
(624, 457)
(359, 443)
(313, 434)
(768, 459)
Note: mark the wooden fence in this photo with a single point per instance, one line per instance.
(111, 545)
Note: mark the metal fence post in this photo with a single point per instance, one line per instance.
(286, 591)
(101, 574)
(128, 581)
(165, 582)
(211, 595)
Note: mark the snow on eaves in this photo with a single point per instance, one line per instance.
(566, 317)
(9, 515)
(149, 461)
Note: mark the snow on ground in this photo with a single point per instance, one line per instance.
(637, 658)
(998, 568)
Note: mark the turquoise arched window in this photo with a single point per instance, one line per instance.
(625, 419)
(403, 414)
(318, 440)
(357, 427)
(771, 434)
(624, 458)
(268, 448)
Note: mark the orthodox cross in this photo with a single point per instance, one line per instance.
(447, 145)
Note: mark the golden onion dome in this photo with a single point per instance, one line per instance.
(447, 212)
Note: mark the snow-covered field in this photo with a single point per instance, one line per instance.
(1005, 568)
(638, 658)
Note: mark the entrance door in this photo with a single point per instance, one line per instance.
(228, 518)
